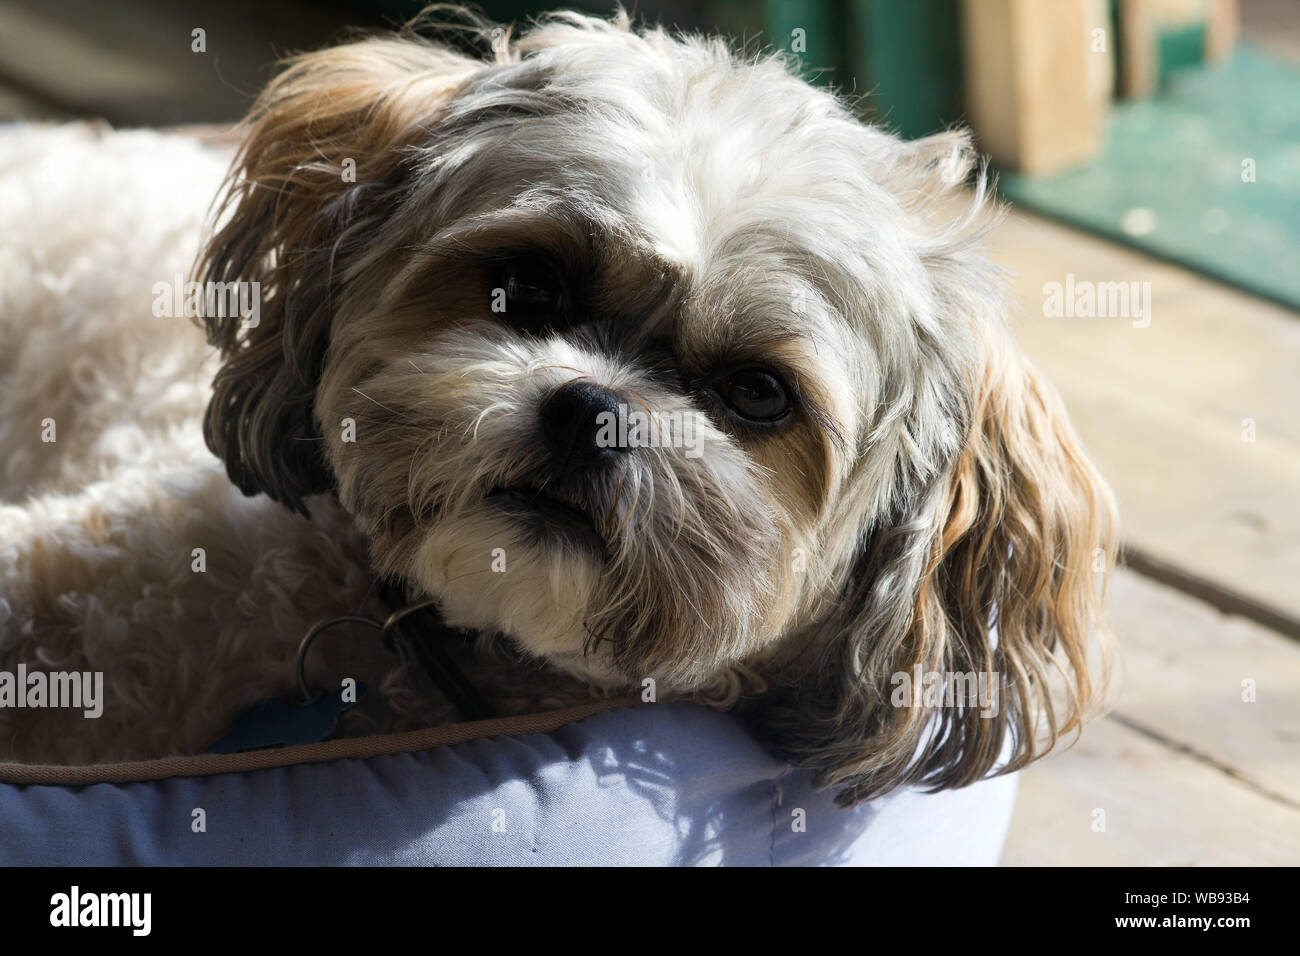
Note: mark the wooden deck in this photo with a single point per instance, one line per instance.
(1185, 770)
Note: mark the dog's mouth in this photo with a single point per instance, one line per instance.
(545, 512)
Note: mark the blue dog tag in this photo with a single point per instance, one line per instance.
(284, 723)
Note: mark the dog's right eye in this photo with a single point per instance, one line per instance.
(533, 293)
(756, 395)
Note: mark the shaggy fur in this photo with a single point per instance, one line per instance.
(925, 501)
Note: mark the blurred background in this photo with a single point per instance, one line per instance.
(1150, 153)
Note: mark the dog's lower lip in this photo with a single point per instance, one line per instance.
(538, 502)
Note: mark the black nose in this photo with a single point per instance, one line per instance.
(576, 423)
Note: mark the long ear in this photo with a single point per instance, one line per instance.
(320, 169)
(992, 582)
(1028, 537)
(987, 576)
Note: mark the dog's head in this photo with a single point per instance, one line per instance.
(659, 362)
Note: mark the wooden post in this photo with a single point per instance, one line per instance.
(1031, 94)
(1210, 24)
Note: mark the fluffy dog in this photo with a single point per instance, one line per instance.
(465, 268)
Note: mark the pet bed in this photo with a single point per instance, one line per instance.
(609, 784)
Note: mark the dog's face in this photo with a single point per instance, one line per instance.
(656, 361)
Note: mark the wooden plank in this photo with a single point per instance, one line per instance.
(1167, 410)
(1184, 769)
(1161, 808)
(1029, 90)
(1214, 593)
(1141, 22)
(1224, 29)
(1184, 679)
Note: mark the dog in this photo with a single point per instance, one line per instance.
(647, 360)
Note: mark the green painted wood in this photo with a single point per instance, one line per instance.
(908, 55)
(1179, 48)
(810, 31)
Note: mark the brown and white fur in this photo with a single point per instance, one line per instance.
(923, 501)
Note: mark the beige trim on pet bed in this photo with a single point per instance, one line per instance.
(380, 745)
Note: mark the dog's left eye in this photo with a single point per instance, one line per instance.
(533, 292)
(755, 394)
